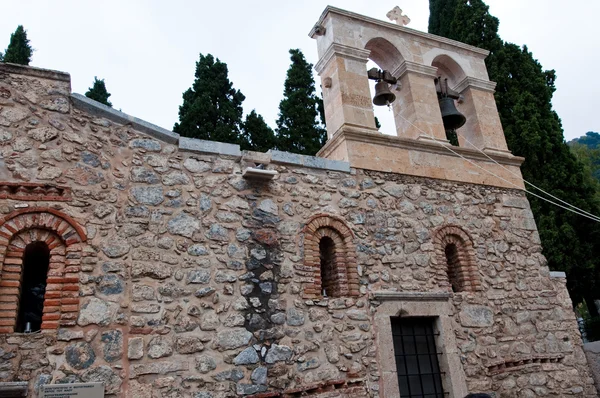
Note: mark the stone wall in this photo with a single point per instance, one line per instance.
(193, 280)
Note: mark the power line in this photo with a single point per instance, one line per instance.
(583, 214)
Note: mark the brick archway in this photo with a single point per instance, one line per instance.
(461, 272)
(344, 256)
(64, 238)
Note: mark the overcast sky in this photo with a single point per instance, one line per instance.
(146, 50)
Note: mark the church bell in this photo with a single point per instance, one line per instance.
(451, 117)
(383, 95)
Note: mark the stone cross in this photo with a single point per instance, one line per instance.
(397, 16)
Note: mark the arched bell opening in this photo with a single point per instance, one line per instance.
(450, 74)
(384, 56)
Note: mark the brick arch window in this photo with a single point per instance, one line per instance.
(33, 242)
(455, 253)
(330, 267)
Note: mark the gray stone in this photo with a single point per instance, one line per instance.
(242, 234)
(232, 338)
(205, 291)
(357, 315)
(183, 225)
(111, 284)
(5, 136)
(233, 320)
(137, 211)
(198, 276)
(259, 375)
(68, 334)
(395, 190)
(202, 146)
(295, 317)
(268, 206)
(246, 357)
(90, 159)
(96, 312)
(217, 232)
(196, 166)
(278, 353)
(209, 321)
(143, 174)
(105, 375)
(175, 178)
(145, 143)
(224, 276)
(188, 345)
(311, 363)
(476, 316)
(204, 394)
(113, 345)
(278, 318)
(205, 202)
(249, 389)
(135, 348)
(49, 173)
(57, 104)
(80, 355)
(308, 161)
(22, 144)
(159, 347)
(155, 367)
(148, 195)
(227, 217)
(197, 250)
(231, 374)
(332, 353)
(43, 134)
(151, 270)
(205, 364)
(117, 248)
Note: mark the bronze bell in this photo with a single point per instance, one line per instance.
(452, 118)
(383, 95)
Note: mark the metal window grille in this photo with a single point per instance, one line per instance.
(416, 356)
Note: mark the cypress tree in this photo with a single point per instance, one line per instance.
(533, 130)
(18, 51)
(98, 92)
(258, 136)
(298, 130)
(211, 108)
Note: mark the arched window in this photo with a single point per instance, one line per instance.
(36, 260)
(329, 258)
(40, 257)
(455, 253)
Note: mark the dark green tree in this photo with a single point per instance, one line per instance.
(298, 129)
(18, 51)
(211, 108)
(98, 92)
(258, 136)
(533, 130)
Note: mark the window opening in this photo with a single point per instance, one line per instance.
(327, 254)
(453, 261)
(36, 261)
(417, 365)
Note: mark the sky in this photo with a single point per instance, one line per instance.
(146, 50)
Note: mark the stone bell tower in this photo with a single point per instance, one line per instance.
(346, 41)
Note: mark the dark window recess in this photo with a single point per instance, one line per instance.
(417, 363)
(36, 261)
(327, 253)
(454, 267)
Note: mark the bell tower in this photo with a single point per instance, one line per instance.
(414, 60)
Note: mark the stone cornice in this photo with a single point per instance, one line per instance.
(350, 133)
(403, 29)
(410, 296)
(473, 82)
(33, 71)
(413, 67)
(342, 50)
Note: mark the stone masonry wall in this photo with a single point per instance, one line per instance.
(192, 282)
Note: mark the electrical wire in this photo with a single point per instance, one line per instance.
(591, 217)
(525, 181)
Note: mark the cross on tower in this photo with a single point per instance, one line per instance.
(396, 15)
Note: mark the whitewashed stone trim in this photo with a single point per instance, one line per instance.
(344, 51)
(309, 161)
(95, 108)
(473, 82)
(558, 274)
(410, 296)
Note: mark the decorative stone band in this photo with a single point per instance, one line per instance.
(416, 68)
(32, 191)
(410, 296)
(341, 50)
(352, 388)
(460, 271)
(345, 270)
(513, 365)
(64, 238)
(473, 82)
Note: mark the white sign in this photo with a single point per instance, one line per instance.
(73, 390)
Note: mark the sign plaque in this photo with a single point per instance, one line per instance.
(73, 390)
